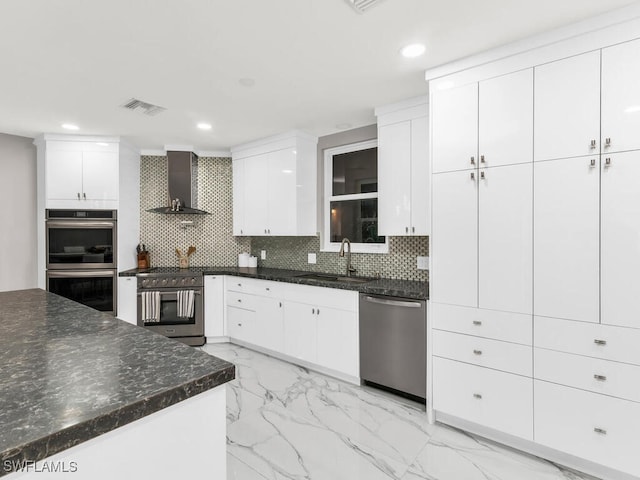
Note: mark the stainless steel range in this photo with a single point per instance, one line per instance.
(170, 303)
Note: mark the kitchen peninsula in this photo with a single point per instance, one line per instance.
(89, 394)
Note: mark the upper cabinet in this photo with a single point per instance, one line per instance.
(403, 168)
(567, 107)
(274, 186)
(80, 174)
(621, 97)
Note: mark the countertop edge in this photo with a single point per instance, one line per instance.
(71, 436)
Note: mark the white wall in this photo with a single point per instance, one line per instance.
(17, 213)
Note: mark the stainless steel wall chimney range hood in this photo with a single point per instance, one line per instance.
(182, 194)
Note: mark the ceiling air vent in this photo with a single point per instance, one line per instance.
(362, 6)
(144, 107)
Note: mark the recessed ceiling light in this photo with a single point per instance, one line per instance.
(70, 126)
(412, 51)
(204, 126)
(343, 126)
(247, 82)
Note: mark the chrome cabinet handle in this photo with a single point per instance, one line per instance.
(482, 175)
(600, 431)
(318, 312)
(413, 229)
(239, 301)
(592, 163)
(607, 142)
(280, 304)
(84, 195)
(406, 229)
(477, 352)
(477, 322)
(267, 289)
(482, 159)
(593, 144)
(600, 342)
(473, 160)
(241, 232)
(607, 162)
(78, 195)
(478, 396)
(313, 311)
(600, 378)
(473, 176)
(239, 284)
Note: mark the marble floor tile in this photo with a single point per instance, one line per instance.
(237, 470)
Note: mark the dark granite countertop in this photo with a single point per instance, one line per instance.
(382, 286)
(69, 373)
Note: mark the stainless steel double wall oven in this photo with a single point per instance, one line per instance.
(82, 256)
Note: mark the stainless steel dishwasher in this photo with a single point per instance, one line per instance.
(393, 344)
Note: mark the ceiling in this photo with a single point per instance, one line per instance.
(317, 65)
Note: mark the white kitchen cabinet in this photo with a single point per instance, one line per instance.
(505, 119)
(566, 233)
(241, 324)
(567, 107)
(78, 173)
(269, 323)
(505, 231)
(337, 340)
(214, 306)
(403, 168)
(619, 237)
(128, 300)
(275, 186)
(455, 128)
(454, 241)
(621, 97)
(301, 331)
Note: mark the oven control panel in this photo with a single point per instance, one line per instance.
(161, 281)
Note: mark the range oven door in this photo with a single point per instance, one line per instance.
(170, 325)
(80, 244)
(94, 288)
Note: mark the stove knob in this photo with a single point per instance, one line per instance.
(193, 281)
(145, 282)
(164, 281)
(174, 281)
(154, 282)
(183, 281)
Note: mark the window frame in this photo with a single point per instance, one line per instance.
(327, 245)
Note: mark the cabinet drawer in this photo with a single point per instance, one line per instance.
(498, 400)
(594, 340)
(509, 357)
(593, 374)
(265, 288)
(322, 296)
(510, 327)
(596, 427)
(241, 300)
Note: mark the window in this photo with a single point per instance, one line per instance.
(351, 198)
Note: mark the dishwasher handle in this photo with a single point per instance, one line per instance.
(393, 303)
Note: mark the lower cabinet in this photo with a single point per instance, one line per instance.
(241, 324)
(338, 343)
(301, 331)
(127, 299)
(498, 400)
(214, 306)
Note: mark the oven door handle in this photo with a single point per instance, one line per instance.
(80, 273)
(196, 292)
(79, 224)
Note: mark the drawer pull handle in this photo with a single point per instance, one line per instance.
(313, 311)
(478, 396)
(477, 352)
(239, 301)
(600, 342)
(600, 431)
(267, 289)
(600, 378)
(477, 322)
(239, 284)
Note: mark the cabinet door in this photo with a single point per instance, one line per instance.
(394, 179)
(455, 128)
(506, 119)
(420, 193)
(300, 331)
(241, 324)
(100, 175)
(454, 247)
(256, 178)
(127, 300)
(505, 231)
(621, 97)
(238, 197)
(338, 340)
(214, 306)
(567, 107)
(64, 175)
(620, 237)
(281, 198)
(270, 324)
(566, 239)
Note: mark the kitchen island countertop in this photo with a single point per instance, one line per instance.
(69, 373)
(378, 286)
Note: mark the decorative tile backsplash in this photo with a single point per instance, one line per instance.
(212, 234)
(291, 253)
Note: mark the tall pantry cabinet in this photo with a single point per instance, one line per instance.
(554, 250)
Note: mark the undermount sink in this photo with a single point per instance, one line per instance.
(323, 277)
